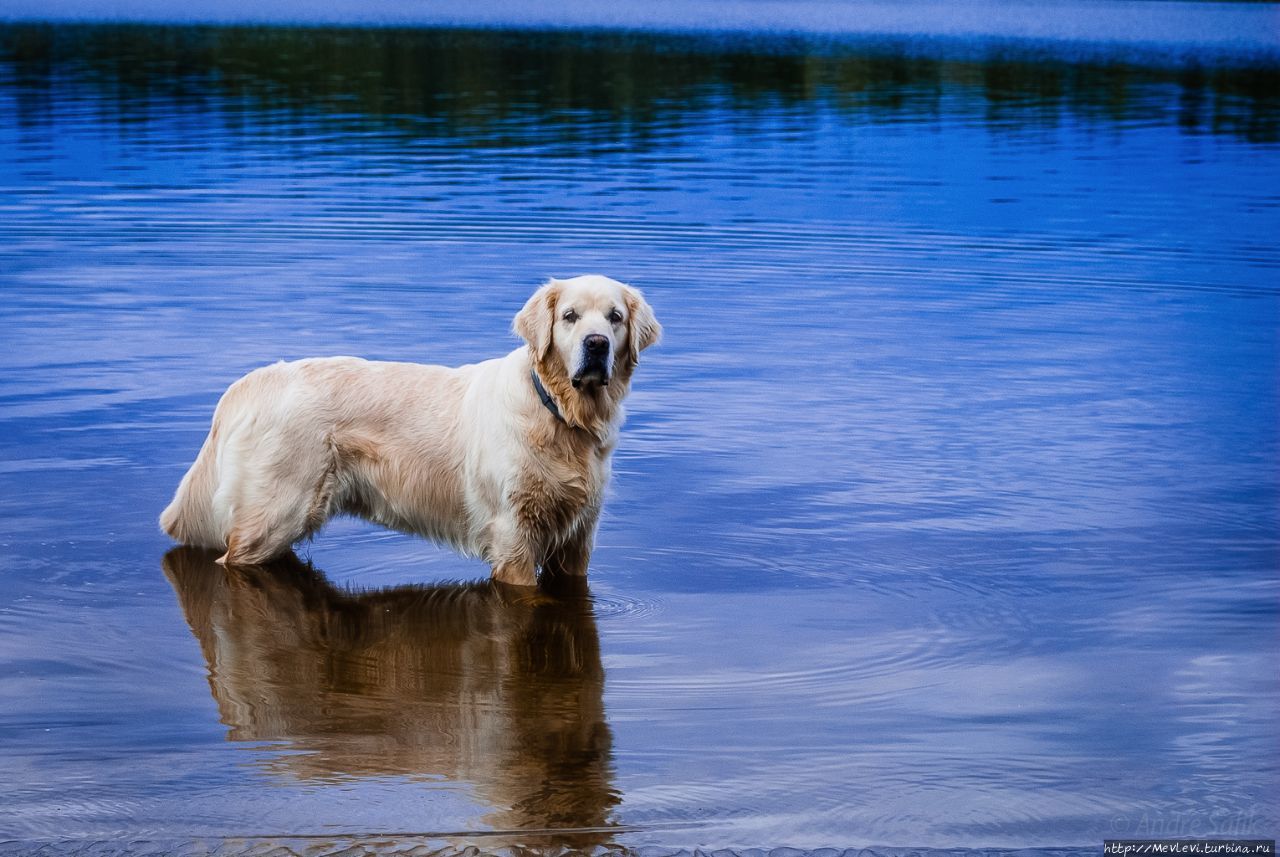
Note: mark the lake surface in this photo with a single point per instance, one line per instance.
(945, 516)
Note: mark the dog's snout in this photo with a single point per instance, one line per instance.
(596, 344)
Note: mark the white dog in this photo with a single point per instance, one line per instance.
(505, 460)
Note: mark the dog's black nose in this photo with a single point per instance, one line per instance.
(596, 345)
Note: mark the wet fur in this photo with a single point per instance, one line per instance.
(466, 456)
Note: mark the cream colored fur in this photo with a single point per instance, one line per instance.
(467, 456)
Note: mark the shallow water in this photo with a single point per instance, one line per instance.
(945, 515)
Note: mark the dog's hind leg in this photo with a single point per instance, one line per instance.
(283, 502)
(258, 537)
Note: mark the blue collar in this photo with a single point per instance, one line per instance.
(549, 402)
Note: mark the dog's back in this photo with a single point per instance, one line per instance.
(293, 444)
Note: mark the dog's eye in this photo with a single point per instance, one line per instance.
(615, 317)
(570, 316)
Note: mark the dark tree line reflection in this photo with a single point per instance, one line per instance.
(483, 86)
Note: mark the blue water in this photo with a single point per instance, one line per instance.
(945, 516)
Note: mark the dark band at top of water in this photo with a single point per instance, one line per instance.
(1157, 31)
(483, 84)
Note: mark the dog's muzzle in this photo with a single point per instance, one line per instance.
(594, 366)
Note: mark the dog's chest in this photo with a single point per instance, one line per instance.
(555, 492)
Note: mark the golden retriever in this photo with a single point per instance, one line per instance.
(505, 460)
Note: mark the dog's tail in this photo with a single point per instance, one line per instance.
(190, 518)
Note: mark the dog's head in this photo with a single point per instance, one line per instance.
(585, 336)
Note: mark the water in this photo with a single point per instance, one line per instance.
(945, 515)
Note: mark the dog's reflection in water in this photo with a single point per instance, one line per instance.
(477, 683)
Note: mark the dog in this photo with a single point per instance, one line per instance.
(506, 460)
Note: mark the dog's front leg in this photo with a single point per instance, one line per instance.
(571, 558)
(511, 555)
(516, 571)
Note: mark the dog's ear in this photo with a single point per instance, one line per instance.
(534, 322)
(643, 329)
